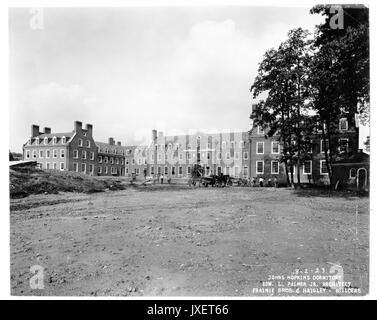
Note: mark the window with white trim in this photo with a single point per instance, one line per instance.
(55, 153)
(343, 124)
(61, 165)
(64, 140)
(275, 147)
(62, 153)
(34, 154)
(259, 167)
(245, 155)
(83, 167)
(47, 165)
(83, 154)
(343, 145)
(324, 143)
(260, 130)
(275, 167)
(27, 154)
(307, 167)
(88, 143)
(352, 173)
(323, 167)
(48, 152)
(260, 147)
(40, 153)
(45, 140)
(246, 171)
(80, 142)
(236, 156)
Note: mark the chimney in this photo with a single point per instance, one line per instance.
(34, 130)
(111, 141)
(119, 143)
(89, 129)
(78, 126)
(154, 136)
(46, 130)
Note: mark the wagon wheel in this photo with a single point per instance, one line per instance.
(230, 183)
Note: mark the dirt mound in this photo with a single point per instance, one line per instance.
(28, 180)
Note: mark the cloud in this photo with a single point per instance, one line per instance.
(54, 100)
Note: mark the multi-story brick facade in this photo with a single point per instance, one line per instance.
(238, 154)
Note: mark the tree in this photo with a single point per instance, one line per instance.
(283, 74)
(339, 77)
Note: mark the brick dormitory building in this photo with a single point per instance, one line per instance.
(240, 154)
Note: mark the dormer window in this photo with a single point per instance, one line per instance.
(64, 139)
(260, 130)
(343, 124)
(37, 141)
(45, 140)
(54, 140)
(29, 141)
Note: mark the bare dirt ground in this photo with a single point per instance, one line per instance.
(176, 241)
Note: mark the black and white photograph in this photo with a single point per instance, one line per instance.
(189, 151)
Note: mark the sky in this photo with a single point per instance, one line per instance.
(130, 70)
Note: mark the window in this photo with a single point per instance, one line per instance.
(48, 154)
(260, 147)
(259, 167)
(105, 170)
(324, 143)
(159, 157)
(227, 156)
(323, 167)
(275, 167)
(40, 153)
(127, 161)
(106, 160)
(91, 169)
(307, 167)
(75, 167)
(180, 156)
(224, 144)
(127, 171)
(83, 167)
(133, 162)
(152, 170)
(236, 171)
(55, 166)
(64, 140)
(34, 153)
(152, 157)
(62, 153)
(61, 165)
(54, 140)
(37, 141)
(75, 154)
(188, 156)
(188, 170)
(232, 144)
(343, 145)
(352, 173)
(47, 165)
(189, 147)
(55, 153)
(83, 155)
(260, 130)
(173, 171)
(111, 160)
(116, 160)
(88, 143)
(208, 156)
(236, 155)
(166, 170)
(45, 140)
(80, 142)
(99, 170)
(139, 161)
(343, 124)
(246, 171)
(245, 155)
(137, 171)
(27, 154)
(219, 155)
(99, 159)
(180, 170)
(275, 147)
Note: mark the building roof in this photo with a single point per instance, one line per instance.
(103, 146)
